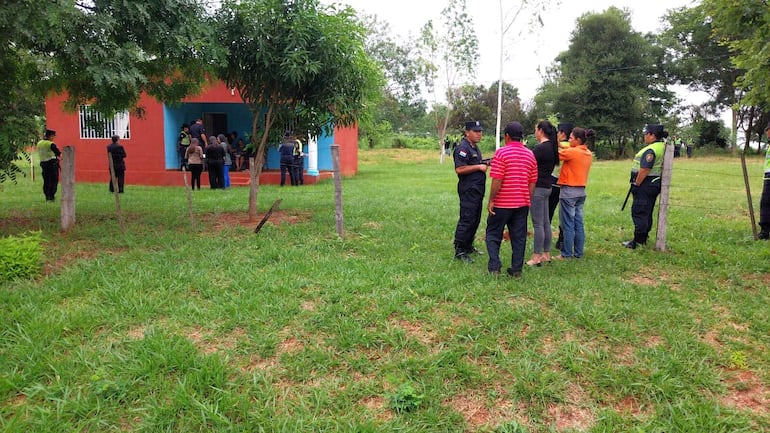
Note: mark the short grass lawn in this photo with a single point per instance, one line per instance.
(176, 324)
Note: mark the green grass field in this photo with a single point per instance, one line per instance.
(173, 326)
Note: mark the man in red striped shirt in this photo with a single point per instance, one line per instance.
(514, 174)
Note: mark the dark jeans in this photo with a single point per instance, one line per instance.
(196, 170)
(50, 171)
(516, 221)
(287, 167)
(298, 169)
(216, 174)
(642, 209)
(471, 204)
(764, 206)
(120, 174)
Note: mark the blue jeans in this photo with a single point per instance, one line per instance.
(571, 218)
(516, 220)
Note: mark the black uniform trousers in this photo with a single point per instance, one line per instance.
(643, 207)
(288, 166)
(120, 174)
(764, 206)
(471, 204)
(50, 171)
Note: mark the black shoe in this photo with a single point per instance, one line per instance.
(763, 235)
(463, 256)
(632, 244)
(476, 251)
(512, 274)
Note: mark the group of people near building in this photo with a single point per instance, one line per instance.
(530, 183)
(215, 153)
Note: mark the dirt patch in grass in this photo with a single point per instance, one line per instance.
(416, 330)
(572, 414)
(747, 392)
(226, 220)
(629, 405)
(479, 411)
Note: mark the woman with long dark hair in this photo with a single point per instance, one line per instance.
(547, 157)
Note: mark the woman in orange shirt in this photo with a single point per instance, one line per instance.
(573, 177)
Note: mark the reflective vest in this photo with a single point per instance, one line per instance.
(657, 166)
(44, 150)
(184, 138)
(767, 160)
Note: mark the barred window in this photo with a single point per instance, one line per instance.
(94, 125)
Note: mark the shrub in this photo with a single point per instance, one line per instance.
(20, 257)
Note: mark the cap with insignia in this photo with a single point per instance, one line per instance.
(653, 128)
(473, 125)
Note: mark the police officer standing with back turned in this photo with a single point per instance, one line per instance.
(471, 184)
(645, 182)
(49, 163)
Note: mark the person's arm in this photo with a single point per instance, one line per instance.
(643, 172)
(468, 169)
(493, 190)
(532, 189)
(648, 160)
(55, 150)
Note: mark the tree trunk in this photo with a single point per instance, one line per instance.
(338, 209)
(255, 164)
(68, 188)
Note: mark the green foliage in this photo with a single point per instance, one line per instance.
(607, 80)
(20, 256)
(405, 398)
(744, 27)
(105, 53)
(300, 63)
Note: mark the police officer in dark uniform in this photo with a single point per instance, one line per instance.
(472, 178)
(764, 202)
(645, 182)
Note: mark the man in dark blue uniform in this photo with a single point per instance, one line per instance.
(472, 179)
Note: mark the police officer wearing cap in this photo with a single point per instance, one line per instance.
(764, 202)
(49, 163)
(645, 182)
(472, 178)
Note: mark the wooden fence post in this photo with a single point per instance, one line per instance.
(67, 188)
(337, 189)
(665, 192)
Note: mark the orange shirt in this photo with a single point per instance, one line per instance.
(576, 161)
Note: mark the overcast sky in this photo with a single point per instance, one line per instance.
(528, 51)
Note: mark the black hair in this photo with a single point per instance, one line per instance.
(586, 136)
(552, 134)
(660, 135)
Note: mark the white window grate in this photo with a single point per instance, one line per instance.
(94, 125)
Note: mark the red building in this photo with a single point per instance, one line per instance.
(151, 141)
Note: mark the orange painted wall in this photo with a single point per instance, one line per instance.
(145, 163)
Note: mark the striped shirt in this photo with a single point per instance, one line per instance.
(516, 166)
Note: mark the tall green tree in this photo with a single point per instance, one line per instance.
(449, 51)
(296, 64)
(696, 57)
(611, 79)
(102, 52)
(402, 105)
(744, 27)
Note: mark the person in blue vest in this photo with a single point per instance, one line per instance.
(286, 150)
(764, 202)
(472, 179)
(645, 182)
(49, 163)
